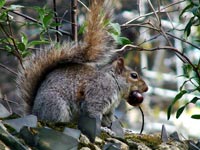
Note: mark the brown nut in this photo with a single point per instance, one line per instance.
(135, 98)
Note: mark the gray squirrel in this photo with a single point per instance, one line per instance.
(62, 82)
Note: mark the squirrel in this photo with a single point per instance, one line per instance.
(61, 82)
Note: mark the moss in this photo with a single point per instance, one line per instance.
(151, 141)
(2, 146)
(90, 145)
(13, 116)
(10, 129)
(104, 136)
(59, 126)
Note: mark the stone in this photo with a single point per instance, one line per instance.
(19, 123)
(123, 146)
(75, 133)
(4, 112)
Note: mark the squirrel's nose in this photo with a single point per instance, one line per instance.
(146, 89)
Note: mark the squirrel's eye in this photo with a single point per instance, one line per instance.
(134, 75)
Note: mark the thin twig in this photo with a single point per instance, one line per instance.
(62, 18)
(8, 69)
(13, 41)
(153, 28)
(138, 6)
(10, 101)
(84, 5)
(183, 40)
(184, 58)
(15, 52)
(56, 19)
(158, 1)
(161, 30)
(149, 14)
(74, 20)
(34, 20)
(142, 128)
(154, 11)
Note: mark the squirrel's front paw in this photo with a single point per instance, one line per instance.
(107, 120)
(89, 125)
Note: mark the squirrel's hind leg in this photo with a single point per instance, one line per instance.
(51, 106)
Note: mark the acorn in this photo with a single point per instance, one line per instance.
(135, 98)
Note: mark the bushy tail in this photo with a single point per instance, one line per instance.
(95, 48)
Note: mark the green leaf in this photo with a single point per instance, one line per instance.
(195, 10)
(47, 20)
(124, 40)
(13, 7)
(34, 43)
(82, 28)
(115, 29)
(25, 53)
(24, 39)
(194, 100)
(2, 2)
(188, 27)
(9, 49)
(180, 111)
(40, 11)
(57, 31)
(120, 40)
(178, 96)
(3, 16)
(169, 110)
(182, 86)
(195, 116)
(185, 9)
(187, 68)
(106, 22)
(21, 46)
(54, 24)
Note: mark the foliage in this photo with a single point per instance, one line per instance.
(18, 44)
(194, 80)
(191, 70)
(194, 8)
(115, 31)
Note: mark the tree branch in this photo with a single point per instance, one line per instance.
(34, 20)
(56, 19)
(184, 58)
(74, 20)
(8, 69)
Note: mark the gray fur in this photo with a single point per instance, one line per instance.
(57, 100)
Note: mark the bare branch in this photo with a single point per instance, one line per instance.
(166, 32)
(8, 69)
(154, 11)
(183, 40)
(15, 52)
(56, 19)
(84, 5)
(34, 20)
(74, 20)
(149, 14)
(182, 57)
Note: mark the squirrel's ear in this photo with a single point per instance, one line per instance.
(119, 65)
